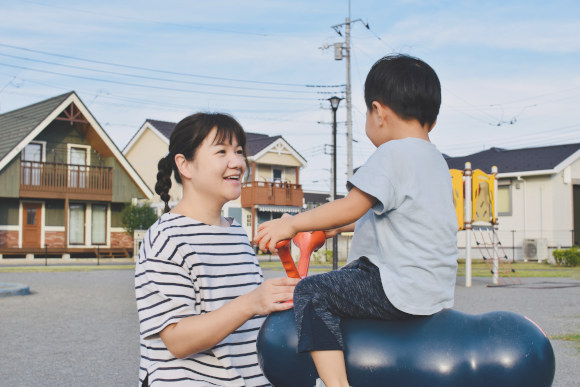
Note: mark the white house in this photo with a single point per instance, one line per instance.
(538, 197)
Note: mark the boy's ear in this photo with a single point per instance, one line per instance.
(378, 112)
(383, 112)
(182, 166)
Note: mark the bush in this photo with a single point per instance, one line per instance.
(322, 256)
(137, 217)
(567, 257)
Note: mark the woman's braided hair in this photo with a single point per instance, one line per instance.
(186, 137)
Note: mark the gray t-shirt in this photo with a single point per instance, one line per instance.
(411, 231)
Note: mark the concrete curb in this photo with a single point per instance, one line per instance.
(8, 289)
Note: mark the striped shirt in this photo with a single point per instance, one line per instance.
(187, 268)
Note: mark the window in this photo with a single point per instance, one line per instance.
(31, 157)
(276, 175)
(249, 220)
(99, 224)
(77, 169)
(31, 216)
(76, 224)
(504, 200)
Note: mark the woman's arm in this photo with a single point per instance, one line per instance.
(338, 213)
(198, 333)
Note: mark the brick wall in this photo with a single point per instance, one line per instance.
(54, 238)
(8, 239)
(121, 239)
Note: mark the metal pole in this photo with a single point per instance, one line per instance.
(513, 246)
(468, 226)
(334, 238)
(348, 102)
(495, 227)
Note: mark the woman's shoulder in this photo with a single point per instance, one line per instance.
(167, 226)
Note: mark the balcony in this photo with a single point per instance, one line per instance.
(270, 193)
(59, 181)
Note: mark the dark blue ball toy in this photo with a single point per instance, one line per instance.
(449, 348)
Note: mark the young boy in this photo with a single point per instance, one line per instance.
(403, 257)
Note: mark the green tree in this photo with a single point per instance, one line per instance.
(137, 217)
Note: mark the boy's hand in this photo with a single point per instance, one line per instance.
(332, 232)
(274, 231)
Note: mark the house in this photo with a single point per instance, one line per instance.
(270, 188)
(63, 183)
(538, 198)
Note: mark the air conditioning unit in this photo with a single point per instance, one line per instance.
(535, 249)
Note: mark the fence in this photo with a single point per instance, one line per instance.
(518, 245)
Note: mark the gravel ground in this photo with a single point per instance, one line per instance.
(80, 328)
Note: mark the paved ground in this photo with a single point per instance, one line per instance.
(80, 328)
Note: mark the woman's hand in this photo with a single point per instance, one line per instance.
(272, 295)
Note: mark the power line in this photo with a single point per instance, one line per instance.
(156, 78)
(166, 71)
(189, 91)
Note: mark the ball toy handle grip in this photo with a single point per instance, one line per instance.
(307, 242)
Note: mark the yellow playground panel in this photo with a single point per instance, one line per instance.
(483, 197)
(458, 195)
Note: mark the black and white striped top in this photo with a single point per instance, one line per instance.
(187, 268)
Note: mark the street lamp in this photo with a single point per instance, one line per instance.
(334, 101)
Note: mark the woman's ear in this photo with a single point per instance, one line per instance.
(182, 166)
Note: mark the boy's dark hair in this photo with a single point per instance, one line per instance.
(186, 137)
(407, 85)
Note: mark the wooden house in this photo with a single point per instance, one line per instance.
(63, 184)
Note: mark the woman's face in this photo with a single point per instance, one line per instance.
(217, 169)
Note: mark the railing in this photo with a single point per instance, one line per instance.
(53, 180)
(278, 194)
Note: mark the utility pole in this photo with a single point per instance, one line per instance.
(339, 48)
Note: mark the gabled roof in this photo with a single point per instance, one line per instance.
(525, 161)
(19, 127)
(255, 142)
(18, 124)
(162, 129)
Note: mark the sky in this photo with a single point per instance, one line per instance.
(510, 70)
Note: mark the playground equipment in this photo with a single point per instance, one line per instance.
(449, 348)
(307, 242)
(474, 197)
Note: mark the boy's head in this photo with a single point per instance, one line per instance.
(407, 85)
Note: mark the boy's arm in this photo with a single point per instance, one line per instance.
(338, 213)
(335, 231)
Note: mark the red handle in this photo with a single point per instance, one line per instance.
(307, 242)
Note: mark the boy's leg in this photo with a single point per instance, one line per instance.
(331, 368)
(321, 301)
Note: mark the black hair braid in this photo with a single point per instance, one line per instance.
(163, 184)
